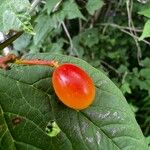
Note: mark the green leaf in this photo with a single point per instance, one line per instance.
(94, 5)
(51, 4)
(141, 79)
(14, 16)
(145, 73)
(148, 140)
(145, 10)
(134, 108)
(69, 10)
(146, 62)
(56, 48)
(22, 42)
(28, 103)
(122, 69)
(125, 88)
(146, 31)
(43, 27)
(52, 129)
(90, 37)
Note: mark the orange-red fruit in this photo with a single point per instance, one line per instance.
(73, 86)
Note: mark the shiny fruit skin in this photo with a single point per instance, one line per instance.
(73, 86)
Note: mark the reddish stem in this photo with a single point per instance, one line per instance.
(13, 59)
(50, 63)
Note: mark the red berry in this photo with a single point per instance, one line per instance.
(73, 86)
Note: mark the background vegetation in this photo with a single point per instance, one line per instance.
(111, 35)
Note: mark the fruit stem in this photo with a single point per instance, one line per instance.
(51, 63)
(11, 58)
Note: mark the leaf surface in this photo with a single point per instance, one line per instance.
(28, 103)
(94, 5)
(42, 28)
(14, 16)
(69, 10)
(145, 10)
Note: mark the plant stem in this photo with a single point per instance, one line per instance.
(11, 58)
(50, 63)
(7, 59)
(110, 67)
(34, 4)
(10, 40)
(70, 40)
(129, 5)
(124, 29)
(120, 27)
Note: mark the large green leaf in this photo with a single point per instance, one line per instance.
(14, 15)
(28, 103)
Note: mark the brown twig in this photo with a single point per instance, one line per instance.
(124, 29)
(11, 58)
(110, 67)
(133, 36)
(7, 59)
(50, 63)
(121, 27)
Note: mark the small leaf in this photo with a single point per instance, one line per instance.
(50, 4)
(122, 69)
(90, 37)
(146, 31)
(146, 62)
(145, 10)
(144, 85)
(69, 10)
(125, 88)
(52, 129)
(94, 5)
(145, 73)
